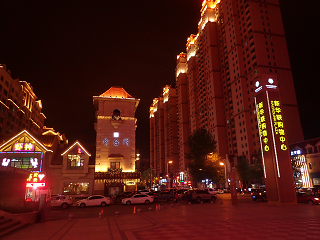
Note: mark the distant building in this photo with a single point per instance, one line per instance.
(237, 42)
(164, 130)
(115, 142)
(19, 106)
(306, 157)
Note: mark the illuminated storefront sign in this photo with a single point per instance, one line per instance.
(36, 179)
(278, 125)
(31, 161)
(23, 147)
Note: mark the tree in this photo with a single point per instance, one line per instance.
(201, 144)
(243, 169)
(257, 171)
(145, 179)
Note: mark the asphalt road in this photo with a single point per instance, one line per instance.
(57, 213)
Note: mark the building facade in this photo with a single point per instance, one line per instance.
(238, 41)
(115, 142)
(305, 157)
(19, 106)
(164, 137)
(44, 163)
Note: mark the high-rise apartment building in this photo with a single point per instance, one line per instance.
(19, 106)
(238, 41)
(164, 135)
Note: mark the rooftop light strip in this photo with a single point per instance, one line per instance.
(73, 146)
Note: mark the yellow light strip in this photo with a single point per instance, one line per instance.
(50, 131)
(34, 122)
(110, 117)
(14, 103)
(79, 146)
(25, 131)
(4, 104)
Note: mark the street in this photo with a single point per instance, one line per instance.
(57, 213)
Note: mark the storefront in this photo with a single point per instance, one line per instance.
(55, 167)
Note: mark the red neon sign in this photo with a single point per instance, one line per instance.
(36, 185)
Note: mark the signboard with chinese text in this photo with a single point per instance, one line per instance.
(22, 147)
(274, 146)
(36, 179)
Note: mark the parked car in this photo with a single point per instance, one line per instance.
(202, 195)
(218, 191)
(303, 197)
(163, 196)
(118, 198)
(212, 190)
(259, 193)
(182, 193)
(95, 200)
(144, 191)
(138, 198)
(61, 201)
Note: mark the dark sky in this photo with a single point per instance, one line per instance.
(73, 50)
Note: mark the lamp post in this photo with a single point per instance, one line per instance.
(168, 174)
(225, 173)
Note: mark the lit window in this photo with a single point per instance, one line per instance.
(116, 134)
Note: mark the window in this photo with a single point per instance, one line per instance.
(76, 188)
(309, 150)
(114, 165)
(116, 114)
(75, 161)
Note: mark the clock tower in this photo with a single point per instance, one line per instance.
(115, 141)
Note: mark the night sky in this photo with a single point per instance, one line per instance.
(73, 50)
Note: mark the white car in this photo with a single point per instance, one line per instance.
(95, 200)
(138, 198)
(210, 190)
(61, 201)
(145, 191)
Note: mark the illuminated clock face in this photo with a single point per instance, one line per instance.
(257, 84)
(270, 80)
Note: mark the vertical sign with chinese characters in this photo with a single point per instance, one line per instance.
(274, 146)
(269, 166)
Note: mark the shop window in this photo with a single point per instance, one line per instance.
(76, 188)
(24, 163)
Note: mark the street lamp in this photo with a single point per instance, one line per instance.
(168, 174)
(225, 173)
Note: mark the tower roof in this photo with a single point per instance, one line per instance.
(116, 92)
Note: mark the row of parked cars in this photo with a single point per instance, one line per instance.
(308, 197)
(138, 197)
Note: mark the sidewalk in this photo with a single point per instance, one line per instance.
(195, 222)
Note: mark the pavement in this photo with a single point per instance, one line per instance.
(220, 220)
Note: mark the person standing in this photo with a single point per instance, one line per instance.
(176, 196)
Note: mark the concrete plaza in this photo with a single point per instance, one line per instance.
(220, 220)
